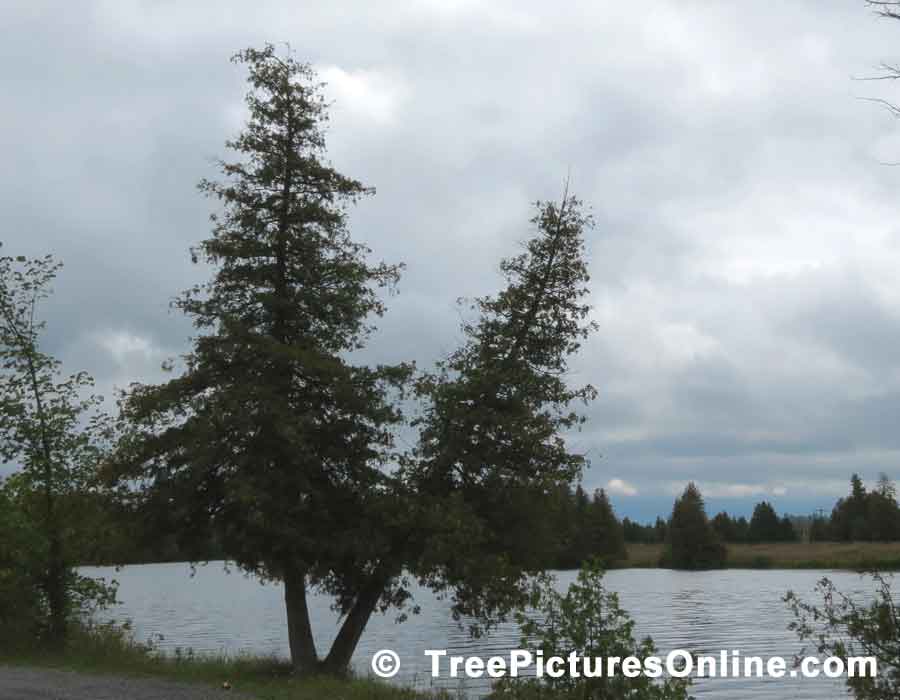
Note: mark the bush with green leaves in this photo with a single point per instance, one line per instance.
(843, 626)
(25, 614)
(21, 604)
(53, 430)
(588, 621)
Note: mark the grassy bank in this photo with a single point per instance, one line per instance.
(108, 650)
(791, 555)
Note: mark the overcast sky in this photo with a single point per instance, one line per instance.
(746, 254)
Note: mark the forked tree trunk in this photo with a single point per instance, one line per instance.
(304, 658)
(338, 659)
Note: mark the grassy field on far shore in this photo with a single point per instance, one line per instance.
(790, 555)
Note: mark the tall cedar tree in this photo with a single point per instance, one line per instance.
(468, 505)
(52, 428)
(271, 438)
(492, 456)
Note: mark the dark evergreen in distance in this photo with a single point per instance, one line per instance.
(587, 528)
(691, 541)
(766, 526)
(607, 537)
(730, 529)
(863, 515)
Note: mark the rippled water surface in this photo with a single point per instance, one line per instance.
(214, 611)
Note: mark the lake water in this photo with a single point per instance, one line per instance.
(214, 611)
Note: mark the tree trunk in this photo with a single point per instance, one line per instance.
(57, 597)
(338, 659)
(304, 658)
(55, 584)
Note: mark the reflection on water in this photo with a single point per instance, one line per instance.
(704, 612)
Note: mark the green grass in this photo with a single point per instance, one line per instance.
(790, 555)
(107, 649)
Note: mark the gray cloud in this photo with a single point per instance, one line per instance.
(745, 254)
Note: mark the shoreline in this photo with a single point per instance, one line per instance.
(837, 556)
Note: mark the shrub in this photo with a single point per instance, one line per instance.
(588, 621)
(22, 607)
(843, 627)
(24, 611)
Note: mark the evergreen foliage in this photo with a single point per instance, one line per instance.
(691, 542)
(865, 515)
(275, 447)
(491, 454)
(271, 440)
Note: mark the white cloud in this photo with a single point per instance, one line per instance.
(744, 260)
(620, 487)
(731, 490)
(126, 347)
(365, 95)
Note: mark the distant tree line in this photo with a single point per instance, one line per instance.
(588, 528)
(583, 525)
(763, 527)
(861, 516)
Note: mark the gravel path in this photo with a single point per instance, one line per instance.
(47, 684)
